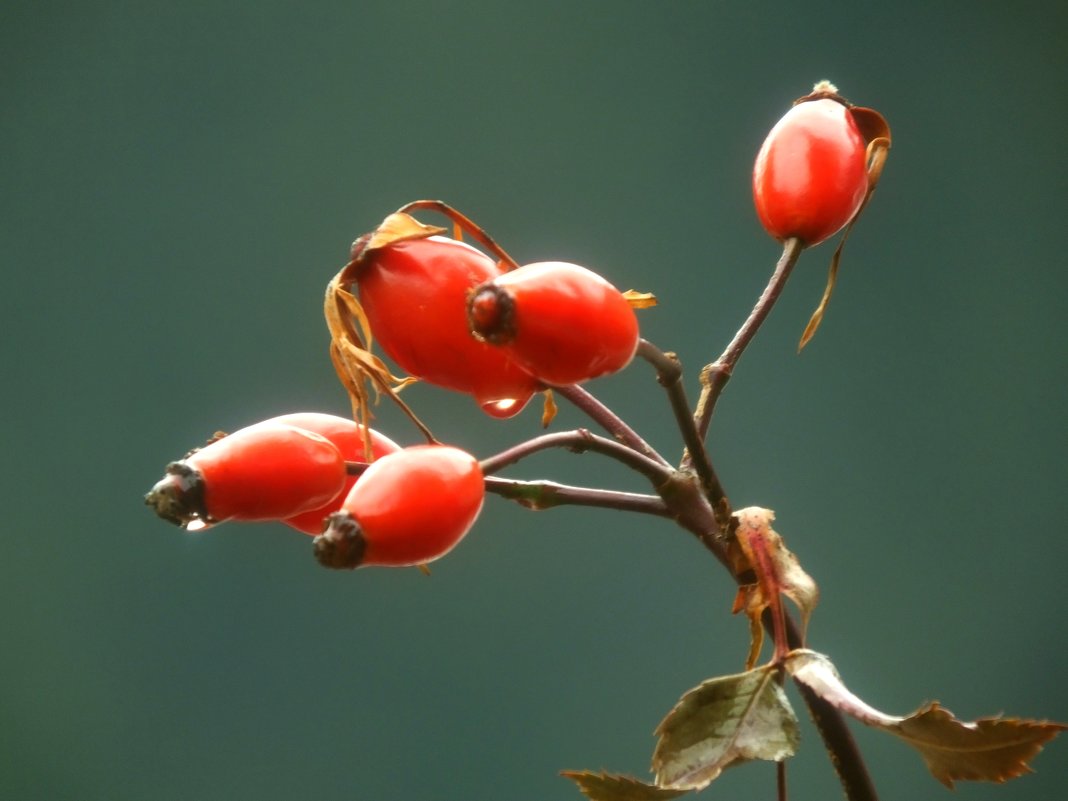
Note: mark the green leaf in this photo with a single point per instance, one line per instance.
(722, 722)
(990, 749)
(606, 787)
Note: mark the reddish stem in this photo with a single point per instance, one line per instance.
(714, 377)
(541, 495)
(580, 440)
(609, 421)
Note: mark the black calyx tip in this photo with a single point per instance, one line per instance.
(491, 314)
(178, 497)
(341, 545)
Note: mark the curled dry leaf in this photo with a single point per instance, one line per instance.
(608, 787)
(876, 132)
(722, 722)
(358, 369)
(778, 572)
(640, 300)
(397, 227)
(549, 408)
(461, 223)
(989, 749)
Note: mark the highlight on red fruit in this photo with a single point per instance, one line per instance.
(348, 438)
(413, 294)
(811, 174)
(409, 508)
(267, 471)
(562, 323)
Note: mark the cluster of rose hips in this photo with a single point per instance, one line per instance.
(409, 507)
(446, 313)
(450, 315)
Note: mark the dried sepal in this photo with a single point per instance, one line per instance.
(549, 408)
(462, 223)
(394, 229)
(778, 572)
(832, 278)
(358, 369)
(640, 300)
(876, 132)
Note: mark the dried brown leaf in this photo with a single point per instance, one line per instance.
(778, 572)
(722, 722)
(989, 749)
(549, 409)
(832, 279)
(358, 369)
(609, 787)
(462, 224)
(640, 300)
(876, 132)
(400, 227)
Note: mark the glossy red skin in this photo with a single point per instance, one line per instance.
(347, 437)
(268, 471)
(415, 294)
(415, 505)
(810, 176)
(569, 324)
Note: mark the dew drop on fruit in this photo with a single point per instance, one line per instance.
(505, 407)
(196, 525)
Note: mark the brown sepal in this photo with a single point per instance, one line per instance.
(876, 132)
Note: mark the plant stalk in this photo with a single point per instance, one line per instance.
(714, 377)
(690, 509)
(579, 441)
(608, 420)
(542, 495)
(669, 376)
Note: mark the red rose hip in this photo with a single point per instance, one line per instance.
(266, 471)
(413, 294)
(348, 438)
(811, 176)
(409, 508)
(562, 323)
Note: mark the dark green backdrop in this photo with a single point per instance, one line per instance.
(180, 181)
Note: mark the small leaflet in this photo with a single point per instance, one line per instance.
(989, 749)
(609, 787)
(723, 722)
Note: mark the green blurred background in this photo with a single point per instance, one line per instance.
(180, 180)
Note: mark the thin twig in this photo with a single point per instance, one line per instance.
(609, 421)
(464, 223)
(691, 510)
(580, 440)
(846, 758)
(541, 495)
(669, 376)
(716, 375)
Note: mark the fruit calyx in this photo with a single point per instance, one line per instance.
(178, 497)
(341, 545)
(491, 314)
(824, 90)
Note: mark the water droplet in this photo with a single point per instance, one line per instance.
(506, 407)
